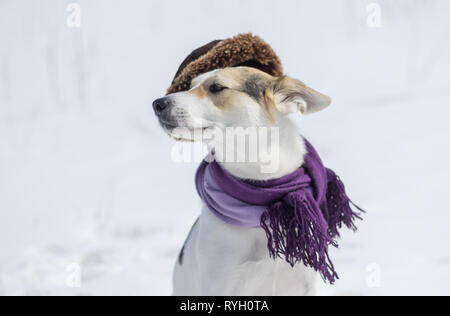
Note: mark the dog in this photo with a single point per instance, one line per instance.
(218, 258)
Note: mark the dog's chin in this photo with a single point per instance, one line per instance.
(186, 134)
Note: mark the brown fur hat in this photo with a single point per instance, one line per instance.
(241, 50)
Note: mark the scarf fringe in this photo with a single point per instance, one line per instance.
(338, 210)
(297, 231)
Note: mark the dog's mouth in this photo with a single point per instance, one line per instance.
(168, 126)
(184, 133)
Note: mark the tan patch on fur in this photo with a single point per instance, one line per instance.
(200, 92)
(237, 75)
(287, 88)
(227, 101)
(270, 105)
(234, 78)
(288, 85)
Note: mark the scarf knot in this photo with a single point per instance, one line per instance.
(301, 213)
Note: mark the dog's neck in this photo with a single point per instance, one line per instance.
(284, 159)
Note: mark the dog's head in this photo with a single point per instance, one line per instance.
(235, 97)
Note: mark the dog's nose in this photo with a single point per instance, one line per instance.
(160, 105)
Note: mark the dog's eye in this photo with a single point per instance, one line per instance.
(216, 88)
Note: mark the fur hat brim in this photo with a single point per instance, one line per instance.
(241, 50)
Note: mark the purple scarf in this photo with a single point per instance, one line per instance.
(300, 213)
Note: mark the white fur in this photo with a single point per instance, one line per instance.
(220, 259)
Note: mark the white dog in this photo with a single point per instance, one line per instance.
(218, 258)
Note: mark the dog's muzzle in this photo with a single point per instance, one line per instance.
(162, 107)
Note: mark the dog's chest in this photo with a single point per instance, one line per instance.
(271, 277)
(241, 265)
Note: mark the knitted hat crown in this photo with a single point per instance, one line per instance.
(241, 50)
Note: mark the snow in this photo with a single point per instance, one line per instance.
(85, 171)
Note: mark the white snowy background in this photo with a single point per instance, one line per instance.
(86, 175)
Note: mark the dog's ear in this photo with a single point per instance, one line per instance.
(290, 95)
